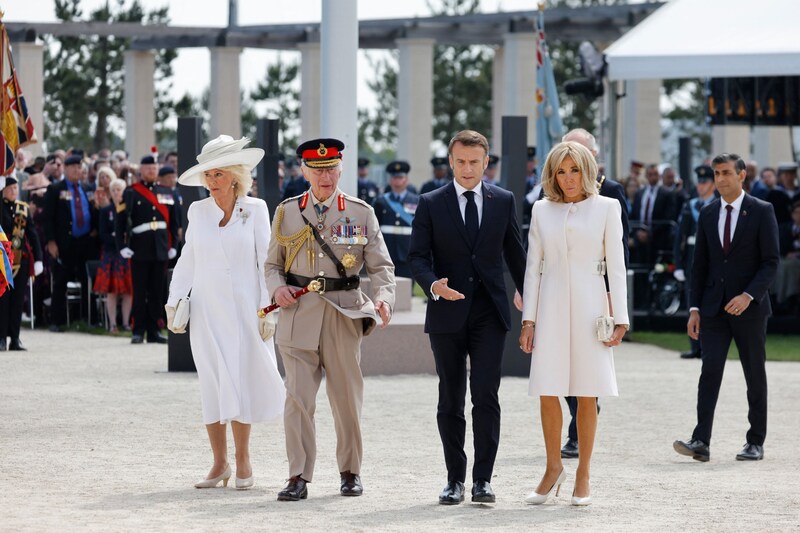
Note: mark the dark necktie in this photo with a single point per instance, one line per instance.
(471, 217)
(726, 234)
(320, 209)
(395, 197)
(78, 205)
(647, 208)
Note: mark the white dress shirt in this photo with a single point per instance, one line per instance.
(723, 213)
(462, 206)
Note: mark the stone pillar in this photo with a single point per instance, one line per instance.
(639, 132)
(225, 104)
(29, 64)
(733, 139)
(339, 57)
(309, 90)
(498, 87)
(139, 102)
(519, 68)
(771, 145)
(415, 106)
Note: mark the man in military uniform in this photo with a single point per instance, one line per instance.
(490, 174)
(70, 226)
(147, 233)
(327, 236)
(441, 175)
(367, 189)
(395, 212)
(531, 178)
(27, 262)
(295, 183)
(683, 251)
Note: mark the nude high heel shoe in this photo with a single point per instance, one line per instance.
(213, 482)
(244, 484)
(534, 498)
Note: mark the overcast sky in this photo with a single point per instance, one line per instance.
(189, 78)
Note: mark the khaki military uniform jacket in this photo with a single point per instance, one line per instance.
(353, 234)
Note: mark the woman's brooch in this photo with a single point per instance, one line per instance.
(243, 214)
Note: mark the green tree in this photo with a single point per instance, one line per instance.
(278, 90)
(84, 77)
(686, 117)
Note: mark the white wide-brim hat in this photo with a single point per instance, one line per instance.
(224, 151)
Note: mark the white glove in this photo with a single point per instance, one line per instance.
(172, 253)
(38, 268)
(171, 318)
(126, 252)
(266, 327)
(680, 275)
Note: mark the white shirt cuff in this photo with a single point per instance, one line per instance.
(434, 297)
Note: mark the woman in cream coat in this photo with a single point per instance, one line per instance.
(575, 236)
(222, 264)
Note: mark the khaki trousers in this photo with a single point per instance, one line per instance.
(339, 353)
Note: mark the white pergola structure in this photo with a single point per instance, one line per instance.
(512, 35)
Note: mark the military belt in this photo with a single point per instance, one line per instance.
(396, 230)
(149, 226)
(328, 284)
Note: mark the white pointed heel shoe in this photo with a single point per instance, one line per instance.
(213, 482)
(580, 502)
(534, 498)
(244, 484)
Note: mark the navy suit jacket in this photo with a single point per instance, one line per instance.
(750, 265)
(440, 249)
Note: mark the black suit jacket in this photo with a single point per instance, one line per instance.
(58, 214)
(612, 189)
(750, 265)
(440, 249)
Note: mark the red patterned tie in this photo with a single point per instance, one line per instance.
(78, 205)
(726, 234)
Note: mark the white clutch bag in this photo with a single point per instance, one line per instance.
(181, 313)
(605, 324)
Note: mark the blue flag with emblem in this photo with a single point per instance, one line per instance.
(549, 127)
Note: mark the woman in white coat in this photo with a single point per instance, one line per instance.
(222, 265)
(575, 238)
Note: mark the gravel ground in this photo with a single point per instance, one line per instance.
(97, 437)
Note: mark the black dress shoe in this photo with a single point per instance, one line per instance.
(452, 494)
(691, 355)
(15, 345)
(157, 338)
(570, 449)
(294, 490)
(751, 452)
(55, 328)
(137, 339)
(482, 492)
(351, 484)
(696, 449)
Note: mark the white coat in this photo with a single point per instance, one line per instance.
(224, 269)
(565, 294)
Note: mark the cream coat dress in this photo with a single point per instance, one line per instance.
(224, 269)
(565, 294)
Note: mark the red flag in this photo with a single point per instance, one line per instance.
(16, 126)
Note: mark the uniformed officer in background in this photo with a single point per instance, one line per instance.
(531, 178)
(367, 189)
(326, 236)
(684, 239)
(441, 175)
(395, 211)
(147, 234)
(490, 174)
(294, 182)
(27, 262)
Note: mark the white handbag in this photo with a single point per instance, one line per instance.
(181, 313)
(605, 324)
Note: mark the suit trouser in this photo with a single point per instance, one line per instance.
(339, 354)
(750, 335)
(70, 265)
(11, 304)
(482, 338)
(148, 295)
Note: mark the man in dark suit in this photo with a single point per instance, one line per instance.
(70, 225)
(460, 232)
(654, 208)
(147, 233)
(735, 259)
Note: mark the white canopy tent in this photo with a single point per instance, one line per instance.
(710, 38)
